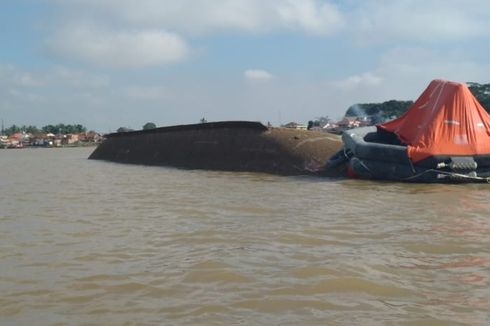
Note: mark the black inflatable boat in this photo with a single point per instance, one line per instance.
(443, 137)
(375, 154)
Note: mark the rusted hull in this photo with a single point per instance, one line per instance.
(229, 146)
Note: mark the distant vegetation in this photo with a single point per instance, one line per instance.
(394, 108)
(54, 129)
(382, 111)
(482, 94)
(149, 125)
(124, 129)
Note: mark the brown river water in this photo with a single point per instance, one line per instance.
(87, 242)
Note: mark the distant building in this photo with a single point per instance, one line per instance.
(330, 125)
(3, 141)
(72, 139)
(93, 137)
(349, 122)
(295, 125)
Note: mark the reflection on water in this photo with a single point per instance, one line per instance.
(96, 243)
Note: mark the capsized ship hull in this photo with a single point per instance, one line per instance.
(228, 146)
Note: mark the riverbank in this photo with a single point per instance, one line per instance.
(21, 146)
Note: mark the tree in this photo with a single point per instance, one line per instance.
(54, 129)
(124, 129)
(79, 128)
(49, 129)
(149, 125)
(12, 130)
(32, 130)
(383, 110)
(386, 110)
(64, 129)
(482, 94)
(310, 125)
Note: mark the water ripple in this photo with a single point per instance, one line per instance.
(87, 242)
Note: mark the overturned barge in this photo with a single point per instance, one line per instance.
(227, 146)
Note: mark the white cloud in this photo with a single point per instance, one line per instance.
(403, 73)
(422, 63)
(257, 74)
(149, 33)
(204, 16)
(76, 78)
(431, 21)
(135, 34)
(408, 70)
(118, 49)
(50, 95)
(312, 16)
(367, 20)
(146, 93)
(362, 80)
(10, 75)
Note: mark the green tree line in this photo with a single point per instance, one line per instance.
(394, 108)
(385, 110)
(54, 129)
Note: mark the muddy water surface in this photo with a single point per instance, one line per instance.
(95, 243)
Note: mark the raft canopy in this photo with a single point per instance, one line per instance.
(445, 120)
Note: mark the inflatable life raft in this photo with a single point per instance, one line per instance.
(444, 136)
(370, 154)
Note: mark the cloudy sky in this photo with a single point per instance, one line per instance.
(112, 63)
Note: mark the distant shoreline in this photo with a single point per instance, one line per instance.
(91, 144)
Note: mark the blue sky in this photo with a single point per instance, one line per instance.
(112, 63)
